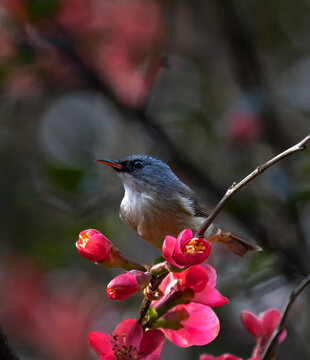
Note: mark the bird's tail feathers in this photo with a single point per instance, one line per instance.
(234, 243)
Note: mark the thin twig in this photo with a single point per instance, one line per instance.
(236, 187)
(268, 353)
(155, 282)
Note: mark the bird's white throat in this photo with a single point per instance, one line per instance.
(134, 200)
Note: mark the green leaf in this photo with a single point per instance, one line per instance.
(151, 315)
(163, 323)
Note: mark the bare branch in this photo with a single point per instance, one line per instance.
(154, 284)
(270, 347)
(258, 171)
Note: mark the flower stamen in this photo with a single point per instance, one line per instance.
(124, 352)
(84, 237)
(194, 246)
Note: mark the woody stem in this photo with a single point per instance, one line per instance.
(236, 187)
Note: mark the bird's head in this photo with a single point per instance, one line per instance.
(143, 173)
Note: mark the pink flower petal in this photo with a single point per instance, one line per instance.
(195, 278)
(221, 357)
(270, 320)
(252, 324)
(167, 280)
(133, 333)
(211, 274)
(206, 357)
(101, 343)
(183, 237)
(195, 258)
(168, 250)
(201, 327)
(210, 297)
(122, 286)
(282, 337)
(152, 343)
(228, 357)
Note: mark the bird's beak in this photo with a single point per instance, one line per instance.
(112, 163)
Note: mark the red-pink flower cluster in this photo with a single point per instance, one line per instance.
(118, 41)
(182, 312)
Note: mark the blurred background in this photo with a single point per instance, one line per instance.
(214, 88)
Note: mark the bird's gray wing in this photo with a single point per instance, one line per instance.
(200, 209)
(197, 208)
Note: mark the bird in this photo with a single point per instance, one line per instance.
(157, 203)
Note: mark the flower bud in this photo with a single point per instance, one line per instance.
(185, 250)
(92, 245)
(126, 285)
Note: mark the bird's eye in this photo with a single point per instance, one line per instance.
(138, 164)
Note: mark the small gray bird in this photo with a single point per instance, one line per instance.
(156, 203)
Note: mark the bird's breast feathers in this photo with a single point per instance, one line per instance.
(152, 218)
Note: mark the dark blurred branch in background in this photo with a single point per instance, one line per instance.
(6, 351)
(271, 347)
(65, 47)
(248, 68)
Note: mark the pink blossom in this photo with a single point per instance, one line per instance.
(94, 246)
(126, 285)
(262, 328)
(128, 57)
(36, 298)
(17, 7)
(192, 323)
(243, 126)
(186, 249)
(199, 325)
(77, 21)
(201, 279)
(128, 341)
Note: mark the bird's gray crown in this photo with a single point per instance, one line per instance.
(148, 173)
